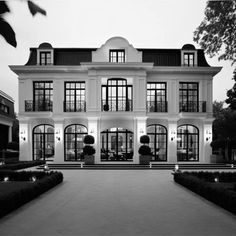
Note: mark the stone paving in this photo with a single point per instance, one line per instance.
(119, 202)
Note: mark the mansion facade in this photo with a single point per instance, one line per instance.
(115, 93)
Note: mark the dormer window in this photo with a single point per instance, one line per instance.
(45, 58)
(188, 59)
(117, 55)
(189, 55)
(45, 54)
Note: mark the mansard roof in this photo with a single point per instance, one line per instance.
(160, 57)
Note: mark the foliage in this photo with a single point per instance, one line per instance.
(23, 193)
(88, 150)
(21, 165)
(231, 94)
(214, 192)
(144, 139)
(13, 146)
(144, 150)
(5, 28)
(89, 139)
(217, 31)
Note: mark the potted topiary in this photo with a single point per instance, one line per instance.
(88, 150)
(144, 150)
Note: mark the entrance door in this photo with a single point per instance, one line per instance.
(116, 145)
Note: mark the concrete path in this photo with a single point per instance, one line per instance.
(113, 202)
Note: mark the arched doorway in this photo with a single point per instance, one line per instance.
(116, 145)
(73, 146)
(43, 142)
(187, 143)
(158, 141)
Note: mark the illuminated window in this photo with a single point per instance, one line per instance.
(188, 59)
(117, 56)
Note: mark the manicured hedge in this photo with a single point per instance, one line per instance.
(18, 197)
(201, 183)
(21, 165)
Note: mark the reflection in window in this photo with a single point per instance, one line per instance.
(45, 58)
(43, 142)
(158, 142)
(74, 136)
(187, 143)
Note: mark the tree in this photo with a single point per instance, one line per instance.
(217, 31)
(5, 28)
(231, 94)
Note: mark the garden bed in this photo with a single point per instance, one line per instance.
(18, 188)
(21, 165)
(217, 187)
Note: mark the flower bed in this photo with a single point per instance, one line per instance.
(21, 165)
(18, 188)
(209, 185)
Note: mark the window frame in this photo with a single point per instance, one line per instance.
(77, 94)
(116, 56)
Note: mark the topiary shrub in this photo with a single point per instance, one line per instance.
(88, 150)
(88, 139)
(144, 139)
(144, 150)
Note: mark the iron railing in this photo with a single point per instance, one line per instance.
(75, 106)
(117, 105)
(153, 106)
(196, 106)
(31, 105)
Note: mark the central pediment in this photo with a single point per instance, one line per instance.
(102, 54)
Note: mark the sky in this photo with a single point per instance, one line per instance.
(90, 23)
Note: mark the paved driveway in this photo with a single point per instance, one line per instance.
(114, 202)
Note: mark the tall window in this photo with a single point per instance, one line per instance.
(74, 136)
(116, 145)
(189, 59)
(74, 97)
(188, 97)
(43, 95)
(158, 142)
(117, 55)
(45, 58)
(188, 143)
(43, 142)
(117, 95)
(156, 97)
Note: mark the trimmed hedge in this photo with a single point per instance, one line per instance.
(18, 197)
(201, 183)
(21, 165)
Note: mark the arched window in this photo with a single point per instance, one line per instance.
(43, 142)
(158, 141)
(187, 143)
(117, 95)
(74, 136)
(116, 145)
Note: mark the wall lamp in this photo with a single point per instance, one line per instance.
(58, 135)
(208, 135)
(172, 135)
(22, 135)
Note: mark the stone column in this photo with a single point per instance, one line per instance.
(58, 141)
(172, 141)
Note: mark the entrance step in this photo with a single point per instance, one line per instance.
(137, 166)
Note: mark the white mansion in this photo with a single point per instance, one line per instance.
(115, 93)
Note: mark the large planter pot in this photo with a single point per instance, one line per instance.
(144, 159)
(88, 159)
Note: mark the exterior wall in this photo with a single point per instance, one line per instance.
(96, 121)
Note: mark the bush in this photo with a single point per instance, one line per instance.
(88, 150)
(19, 196)
(144, 150)
(89, 139)
(144, 139)
(21, 165)
(13, 146)
(197, 182)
